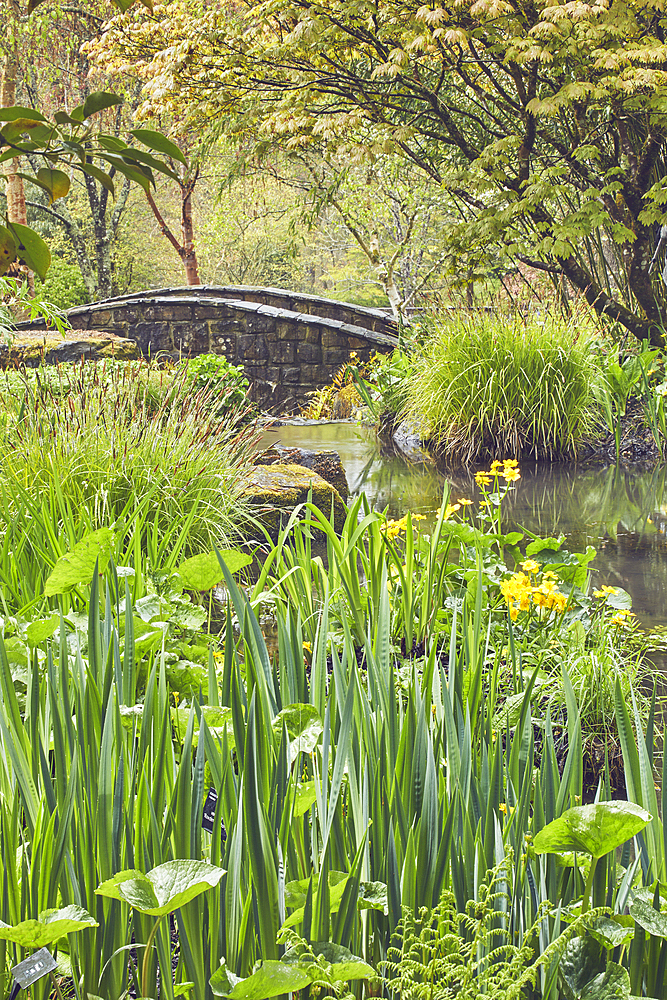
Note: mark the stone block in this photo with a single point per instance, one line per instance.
(259, 323)
(335, 356)
(283, 352)
(309, 354)
(103, 319)
(195, 335)
(173, 314)
(286, 329)
(252, 348)
(206, 312)
(291, 374)
(313, 334)
(152, 337)
(227, 326)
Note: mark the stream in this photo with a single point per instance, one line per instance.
(622, 513)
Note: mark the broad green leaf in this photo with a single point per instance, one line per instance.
(583, 959)
(183, 989)
(271, 980)
(611, 932)
(43, 629)
(304, 797)
(593, 829)
(163, 889)
(7, 249)
(77, 567)
(612, 984)
(31, 249)
(373, 896)
(621, 600)
(148, 607)
(203, 572)
(48, 928)
(160, 143)
(99, 175)
(295, 892)
(653, 921)
(56, 182)
(343, 965)
(99, 101)
(11, 114)
(304, 727)
(223, 980)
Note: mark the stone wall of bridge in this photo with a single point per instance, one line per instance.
(288, 343)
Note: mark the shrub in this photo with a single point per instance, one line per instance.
(226, 383)
(501, 387)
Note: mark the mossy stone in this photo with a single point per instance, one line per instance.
(273, 491)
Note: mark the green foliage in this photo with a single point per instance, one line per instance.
(225, 383)
(101, 446)
(494, 386)
(63, 285)
(446, 951)
(16, 295)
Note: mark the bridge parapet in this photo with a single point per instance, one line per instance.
(285, 352)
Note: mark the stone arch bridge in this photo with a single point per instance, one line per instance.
(289, 343)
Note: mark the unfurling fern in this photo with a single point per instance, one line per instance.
(441, 954)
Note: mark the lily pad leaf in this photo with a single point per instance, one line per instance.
(203, 572)
(77, 567)
(48, 928)
(652, 920)
(270, 980)
(163, 889)
(594, 829)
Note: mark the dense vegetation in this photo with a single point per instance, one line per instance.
(418, 757)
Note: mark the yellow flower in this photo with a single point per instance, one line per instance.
(464, 503)
(482, 478)
(605, 591)
(510, 475)
(530, 566)
(510, 463)
(623, 618)
(496, 466)
(450, 509)
(307, 647)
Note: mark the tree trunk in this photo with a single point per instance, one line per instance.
(14, 188)
(189, 254)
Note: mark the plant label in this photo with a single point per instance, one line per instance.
(208, 818)
(209, 810)
(31, 969)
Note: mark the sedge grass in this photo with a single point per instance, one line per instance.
(498, 387)
(111, 444)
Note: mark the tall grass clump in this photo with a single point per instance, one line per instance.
(111, 444)
(494, 386)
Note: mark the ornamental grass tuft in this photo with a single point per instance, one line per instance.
(492, 385)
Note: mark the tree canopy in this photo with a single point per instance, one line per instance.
(545, 121)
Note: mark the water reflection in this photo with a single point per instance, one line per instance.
(622, 514)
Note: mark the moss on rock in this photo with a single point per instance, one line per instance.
(273, 491)
(32, 350)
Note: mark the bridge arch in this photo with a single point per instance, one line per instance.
(289, 343)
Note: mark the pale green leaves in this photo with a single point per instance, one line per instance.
(48, 928)
(203, 572)
(163, 889)
(593, 829)
(327, 963)
(77, 566)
